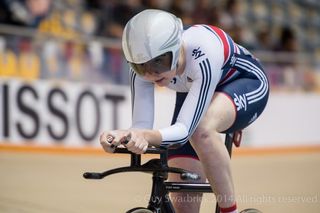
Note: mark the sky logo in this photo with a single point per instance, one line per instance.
(240, 102)
(197, 53)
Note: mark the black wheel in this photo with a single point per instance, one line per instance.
(250, 211)
(140, 210)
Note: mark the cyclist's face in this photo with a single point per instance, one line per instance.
(158, 65)
(162, 79)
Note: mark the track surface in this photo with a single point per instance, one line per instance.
(53, 183)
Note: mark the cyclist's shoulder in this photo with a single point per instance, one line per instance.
(200, 45)
(198, 31)
(193, 33)
(200, 37)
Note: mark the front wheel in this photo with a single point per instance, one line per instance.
(140, 210)
(250, 211)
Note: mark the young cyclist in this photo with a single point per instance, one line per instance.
(220, 88)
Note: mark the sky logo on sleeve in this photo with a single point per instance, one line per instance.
(197, 53)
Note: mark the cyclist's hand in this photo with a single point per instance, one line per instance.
(111, 139)
(137, 143)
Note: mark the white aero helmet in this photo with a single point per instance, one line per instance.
(152, 33)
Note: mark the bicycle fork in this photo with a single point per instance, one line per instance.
(159, 201)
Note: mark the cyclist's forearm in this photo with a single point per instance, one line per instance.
(153, 137)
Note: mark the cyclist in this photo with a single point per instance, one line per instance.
(221, 88)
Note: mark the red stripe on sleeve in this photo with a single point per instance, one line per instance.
(223, 38)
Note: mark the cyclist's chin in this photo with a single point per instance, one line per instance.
(163, 82)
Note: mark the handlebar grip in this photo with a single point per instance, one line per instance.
(128, 138)
(92, 175)
(150, 150)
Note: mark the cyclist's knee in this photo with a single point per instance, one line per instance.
(203, 133)
(203, 136)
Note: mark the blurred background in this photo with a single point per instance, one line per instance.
(63, 80)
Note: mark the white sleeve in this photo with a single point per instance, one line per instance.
(142, 101)
(193, 108)
(206, 73)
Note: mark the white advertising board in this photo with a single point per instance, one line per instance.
(46, 112)
(75, 114)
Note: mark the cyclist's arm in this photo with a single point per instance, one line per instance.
(193, 109)
(142, 100)
(205, 71)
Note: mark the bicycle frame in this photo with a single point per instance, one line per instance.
(159, 199)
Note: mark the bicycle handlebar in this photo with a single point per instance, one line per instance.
(153, 165)
(150, 150)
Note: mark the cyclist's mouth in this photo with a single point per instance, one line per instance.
(159, 81)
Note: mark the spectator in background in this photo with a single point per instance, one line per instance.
(116, 25)
(24, 12)
(287, 46)
(231, 19)
(113, 15)
(287, 59)
(233, 22)
(288, 41)
(264, 40)
(38, 9)
(206, 12)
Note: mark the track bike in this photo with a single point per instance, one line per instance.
(159, 201)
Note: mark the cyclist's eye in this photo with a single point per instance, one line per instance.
(158, 61)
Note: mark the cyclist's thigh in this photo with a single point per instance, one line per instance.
(249, 96)
(220, 116)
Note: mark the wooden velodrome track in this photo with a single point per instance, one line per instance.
(50, 181)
